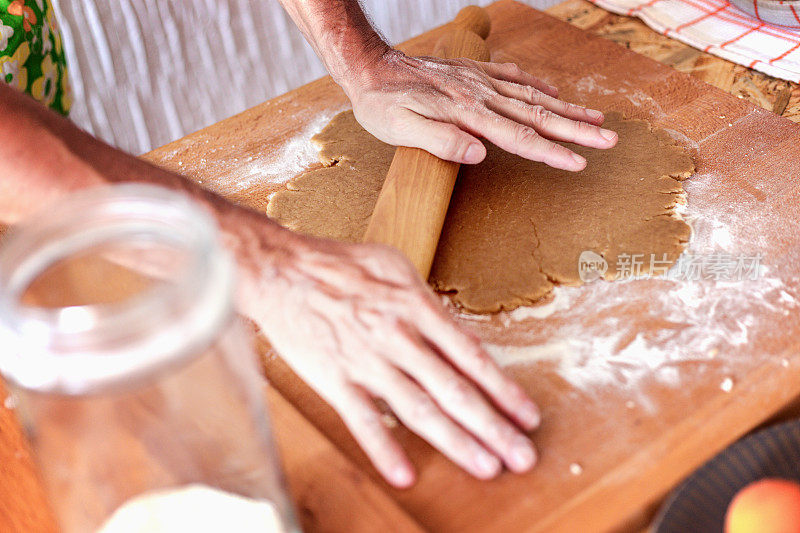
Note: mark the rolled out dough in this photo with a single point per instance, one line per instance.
(515, 228)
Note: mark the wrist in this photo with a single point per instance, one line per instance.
(362, 65)
(265, 253)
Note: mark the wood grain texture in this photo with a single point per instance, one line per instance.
(23, 504)
(413, 201)
(776, 95)
(629, 459)
(474, 19)
(332, 494)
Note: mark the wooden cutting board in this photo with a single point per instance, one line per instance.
(608, 449)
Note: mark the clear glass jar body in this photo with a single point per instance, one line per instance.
(139, 390)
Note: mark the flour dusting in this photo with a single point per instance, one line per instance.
(593, 84)
(291, 159)
(239, 167)
(693, 319)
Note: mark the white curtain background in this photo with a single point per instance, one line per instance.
(146, 73)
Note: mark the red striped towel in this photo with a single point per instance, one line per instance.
(719, 28)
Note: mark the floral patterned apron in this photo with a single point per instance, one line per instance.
(31, 53)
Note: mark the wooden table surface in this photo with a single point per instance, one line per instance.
(779, 96)
(330, 483)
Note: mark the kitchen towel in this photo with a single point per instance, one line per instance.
(722, 29)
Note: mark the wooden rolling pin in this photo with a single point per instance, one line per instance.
(412, 204)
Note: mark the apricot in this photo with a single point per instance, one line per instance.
(765, 506)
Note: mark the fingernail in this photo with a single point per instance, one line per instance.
(402, 476)
(608, 134)
(595, 114)
(579, 160)
(553, 88)
(487, 464)
(474, 153)
(522, 455)
(530, 416)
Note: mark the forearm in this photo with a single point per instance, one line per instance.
(44, 157)
(340, 34)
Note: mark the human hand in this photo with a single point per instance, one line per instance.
(444, 105)
(356, 322)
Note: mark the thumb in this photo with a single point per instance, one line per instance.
(444, 140)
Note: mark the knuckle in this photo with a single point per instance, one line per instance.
(531, 94)
(422, 411)
(481, 86)
(524, 136)
(419, 303)
(553, 149)
(459, 392)
(585, 129)
(573, 109)
(539, 115)
(464, 100)
(473, 74)
(402, 269)
(551, 152)
(392, 254)
(390, 261)
(451, 146)
(370, 421)
(362, 374)
(484, 364)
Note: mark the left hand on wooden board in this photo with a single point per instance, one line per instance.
(356, 322)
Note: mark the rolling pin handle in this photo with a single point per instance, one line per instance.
(411, 207)
(474, 19)
(466, 35)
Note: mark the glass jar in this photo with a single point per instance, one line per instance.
(139, 389)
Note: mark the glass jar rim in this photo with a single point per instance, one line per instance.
(92, 348)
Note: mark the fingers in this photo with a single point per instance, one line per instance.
(364, 421)
(445, 141)
(418, 411)
(465, 352)
(554, 126)
(463, 402)
(524, 141)
(534, 96)
(511, 72)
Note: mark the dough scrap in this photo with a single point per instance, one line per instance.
(515, 228)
